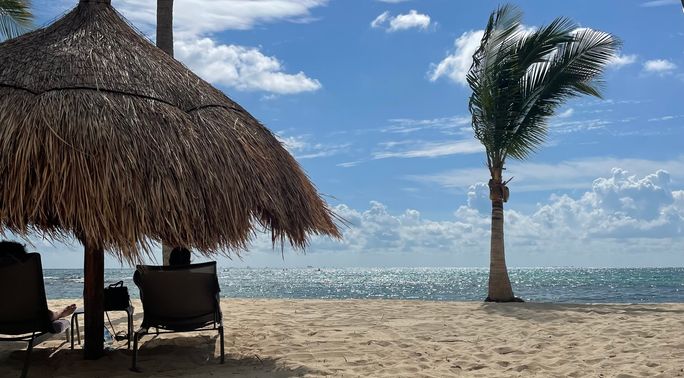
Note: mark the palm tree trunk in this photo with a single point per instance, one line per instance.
(500, 289)
(165, 25)
(165, 42)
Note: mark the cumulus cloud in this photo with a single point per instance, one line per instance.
(240, 67)
(457, 63)
(411, 20)
(621, 214)
(659, 66)
(564, 175)
(620, 60)
(244, 68)
(618, 207)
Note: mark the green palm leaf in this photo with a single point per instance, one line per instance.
(15, 18)
(519, 79)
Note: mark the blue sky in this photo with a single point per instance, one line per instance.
(369, 96)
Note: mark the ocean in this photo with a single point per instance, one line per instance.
(560, 285)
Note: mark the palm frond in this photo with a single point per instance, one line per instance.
(15, 18)
(520, 78)
(574, 68)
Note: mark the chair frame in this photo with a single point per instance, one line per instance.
(75, 326)
(138, 335)
(215, 326)
(39, 334)
(30, 339)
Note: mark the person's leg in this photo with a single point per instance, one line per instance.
(66, 311)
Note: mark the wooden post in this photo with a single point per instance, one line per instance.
(165, 43)
(94, 301)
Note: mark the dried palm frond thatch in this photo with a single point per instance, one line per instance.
(106, 138)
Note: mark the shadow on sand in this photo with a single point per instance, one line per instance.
(547, 312)
(186, 356)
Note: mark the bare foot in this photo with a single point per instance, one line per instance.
(68, 310)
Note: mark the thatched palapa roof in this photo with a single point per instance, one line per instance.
(105, 137)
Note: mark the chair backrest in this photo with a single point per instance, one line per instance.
(23, 305)
(178, 297)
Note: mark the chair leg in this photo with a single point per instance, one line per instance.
(134, 366)
(78, 331)
(223, 357)
(72, 331)
(130, 329)
(27, 361)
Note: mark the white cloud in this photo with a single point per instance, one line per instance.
(565, 175)
(569, 126)
(349, 164)
(660, 3)
(301, 147)
(665, 118)
(456, 64)
(193, 18)
(411, 20)
(566, 113)
(617, 216)
(620, 60)
(408, 21)
(659, 66)
(419, 149)
(620, 220)
(447, 125)
(243, 68)
(380, 20)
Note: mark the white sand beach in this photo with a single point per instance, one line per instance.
(392, 338)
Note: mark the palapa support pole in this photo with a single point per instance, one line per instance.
(93, 297)
(165, 43)
(93, 266)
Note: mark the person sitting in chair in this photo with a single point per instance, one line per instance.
(11, 252)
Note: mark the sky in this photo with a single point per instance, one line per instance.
(370, 97)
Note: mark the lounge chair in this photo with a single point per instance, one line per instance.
(178, 299)
(24, 313)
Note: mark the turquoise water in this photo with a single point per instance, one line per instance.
(569, 285)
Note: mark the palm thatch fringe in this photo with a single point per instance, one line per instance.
(106, 138)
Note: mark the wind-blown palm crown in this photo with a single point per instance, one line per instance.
(519, 78)
(15, 18)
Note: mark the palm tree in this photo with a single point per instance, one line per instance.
(15, 18)
(165, 25)
(165, 42)
(519, 78)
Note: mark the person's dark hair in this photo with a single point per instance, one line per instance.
(11, 252)
(179, 256)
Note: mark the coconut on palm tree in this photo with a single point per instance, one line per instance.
(15, 18)
(519, 78)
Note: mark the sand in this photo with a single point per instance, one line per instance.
(391, 338)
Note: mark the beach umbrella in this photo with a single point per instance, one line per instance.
(107, 139)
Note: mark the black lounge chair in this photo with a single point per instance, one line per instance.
(24, 313)
(178, 299)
